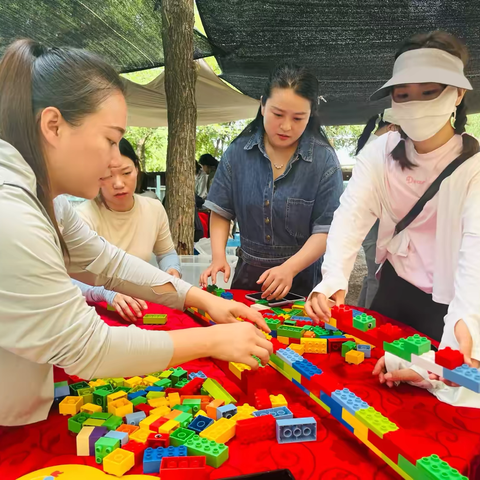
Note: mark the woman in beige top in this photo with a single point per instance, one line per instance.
(62, 115)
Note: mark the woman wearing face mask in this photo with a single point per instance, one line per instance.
(430, 262)
(62, 115)
(281, 180)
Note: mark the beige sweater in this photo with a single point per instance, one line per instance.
(44, 320)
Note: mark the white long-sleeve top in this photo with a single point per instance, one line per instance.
(44, 320)
(456, 275)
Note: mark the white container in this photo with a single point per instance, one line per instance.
(204, 248)
(194, 265)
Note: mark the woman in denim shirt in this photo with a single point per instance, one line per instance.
(282, 181)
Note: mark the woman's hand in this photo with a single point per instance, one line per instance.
(395, 377)
(213, 269)
(465, 342)
(318, 306)
(277, 282)
(174, 273)
(124, 305)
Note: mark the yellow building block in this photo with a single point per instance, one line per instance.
(120, 408)
(173, 414)
(118, 462)
(308, 334)
(359, 429)
(246, 409)
(70, 405)
(221, 431)
(141, 435)
(240, 416)
(267, 336)
(147, 421)
(354, 356)
(292, 373)
(238, 368)
(160, 411)
(150, 380)
(169, 426)
(166, 374)
(298, 348)
(284, 340)
(133, 382)
(314, 345)
(201, 412)
(174, 399)
(332, 322)
(278, 401)
(359, 341)
(91, 408)
(323, 405)
(116, 396)
(159, 402)
(97, 383)
(83, 444)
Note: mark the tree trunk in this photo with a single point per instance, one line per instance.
(180, 77)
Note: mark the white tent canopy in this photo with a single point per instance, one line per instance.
(217, 102)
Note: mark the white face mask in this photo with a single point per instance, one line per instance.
(421, 120)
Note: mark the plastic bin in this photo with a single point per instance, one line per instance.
(204, 248)
(194, 265)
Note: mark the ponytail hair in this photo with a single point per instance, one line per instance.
(32, 78)
(450, 44)
(376, 122)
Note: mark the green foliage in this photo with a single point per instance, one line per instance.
(150, 145)
(215, 139)
(473, 125)
(344, 136)
(143, 76)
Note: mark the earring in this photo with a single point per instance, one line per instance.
(454, 116)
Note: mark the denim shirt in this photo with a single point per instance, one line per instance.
(276, 217)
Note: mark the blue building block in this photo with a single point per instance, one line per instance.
(349, 400)
(307, 369)
(152, 457)
(226, 411)
(61, 392)
(289, 356)
(121, 436)
(140, 393)
(326, 337)
(356, 312)
(300, 386)
(296, 430)
(465, 376)
(200, 423)
(154, 389)
(227, 295)
(366, 349)
(302, 319)
(335, 409)
(277, 412)
(327, 326)
(200, 374)
(134, 418)
(273, 333)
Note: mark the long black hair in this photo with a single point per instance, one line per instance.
(376, 122)
(448, 43)
(305, 84)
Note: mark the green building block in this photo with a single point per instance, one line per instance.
(375, 421)
(278, 311)
(151, 395)
(74, 387)
(155, 319)
(289, 323)
(100, 398)
(76, 422)
(107, 388)
(183, 408)
(101, 415)
(417, 344)
(308, 328)
(411, 470)
(180, 436)
(347, 346)
(211, 288)
(397, 348)
(290, 332)
(122, 389)
(336, 333)
(182, 383)
(262, 301)
(177, 375)
(320, 332)
(218, 292)
(195, 403)
(436, 468)
(277, 360)
(117, 382)
(164, 382)
(296, 313)
(104, 446)
(138, 400)
(216, 453)
(111, 309)
(113, 422)
(364, 322)
(87, 394)
(93, 422)
(215, 390)
(272, 323)
(137, 388)
(184, 419)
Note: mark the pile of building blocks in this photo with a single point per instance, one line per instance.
(171, 422)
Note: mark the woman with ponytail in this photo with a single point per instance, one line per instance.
(423, 184)
(62, 116)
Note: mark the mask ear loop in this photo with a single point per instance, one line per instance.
(454, 116)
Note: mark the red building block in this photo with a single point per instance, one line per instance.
(193, 387)
(295, 340)
(137, 448)
(449, 358)
(172, 390)
(262, 400)
(156, 440)
(385, 445)
(184, 468)
(412, 445)
(299, 411)
(256, 429)
(327, 383)
(276, 345)
(144, 408)
(389, 333)
(335, 344)
(343, 314)
(157, 424)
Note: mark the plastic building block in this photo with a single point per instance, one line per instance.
(115, 396)
(215, 390)
(354, 356)
(289, 331)
(296, 430)
(173, 399)
(83, 441)
(142, 407)
(74, 387)
(465, 376)
(300, 349)
(113, 422)
(375, 421)
(256, 429)
(184, 419)
(61, 390)
(417, 344)
(184, 408)
(93, 422)
(153, 457)
(141, 435)
(178, 374)
(147, 423)
(70, 405)
(194, 404)
(397, 348)
(389, 333)
(366, 349)
(246, 409)
(427, 362)
(306, 369)
(226, 411)
(199, 374)
(349, 400)
(164, 382)
(159, 402)
(134, 418)
(90, 408)
(221, 431)
(100, 397)
(122, 437)
(211, 288)
(449, 358)
(436, 468)
(154, 319)
(182, 383)
(104, 446)
(347, 346)
(173, 414)
(169, 427)
(127, 428)
(262, 400)
(200, 423)
(184, 468)
(118, 462)
(134, 395)
(227, 295)
(314, 345)
(76, 422)
(342, 313)
(138, 401)
(192, 387)
(216, 453)
(364, 322)
(137, 449)
(180, 436)
(156, 440)
(278, 413)
(289, 356)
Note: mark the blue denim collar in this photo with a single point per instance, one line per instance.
(304, 149)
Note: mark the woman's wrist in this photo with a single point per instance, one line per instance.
(198, 298)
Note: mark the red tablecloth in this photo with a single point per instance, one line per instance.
(337, 454)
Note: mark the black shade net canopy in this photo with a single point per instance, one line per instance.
(349, 44)
(128, 33)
